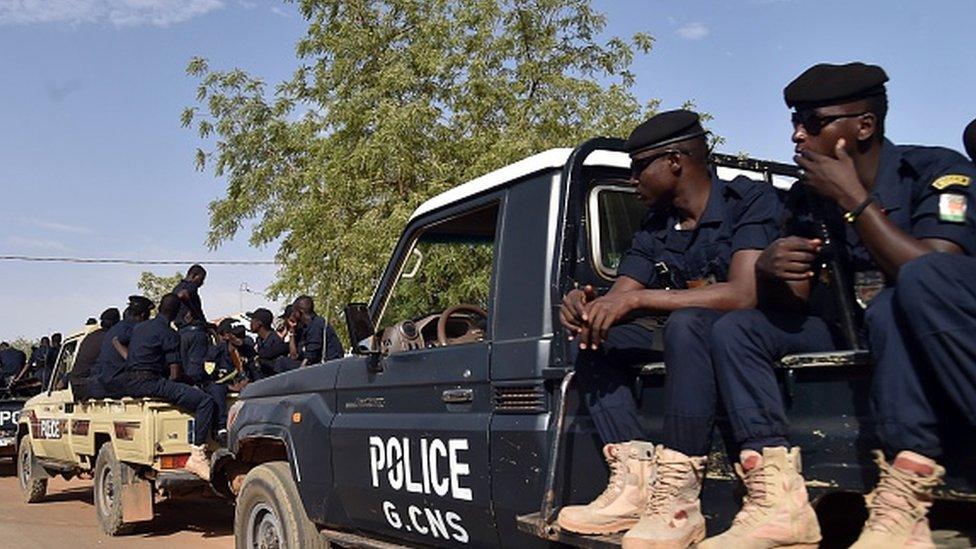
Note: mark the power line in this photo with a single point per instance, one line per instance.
(111, 261)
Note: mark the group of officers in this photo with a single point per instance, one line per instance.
(178, 356)
(744, 278)
(16, 367)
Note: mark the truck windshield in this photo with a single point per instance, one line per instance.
(449, 264)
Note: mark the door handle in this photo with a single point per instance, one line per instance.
(457, 396)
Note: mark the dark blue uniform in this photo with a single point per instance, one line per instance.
(109, 363)
(314, 341)
(12, 361)
(740, 215)
(219, 354)
(269, 350)
(154, 345)
(192, 325)
(916, 326)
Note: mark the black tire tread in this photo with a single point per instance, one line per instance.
(36, 488)
(112, 523)
(272, 482)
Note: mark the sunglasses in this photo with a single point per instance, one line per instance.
(814, 124)
(638, 166)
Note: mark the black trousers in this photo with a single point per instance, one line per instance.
(193, 352)
(192, 399)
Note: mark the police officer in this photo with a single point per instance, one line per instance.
(226, 356)
(38, 359)
(88, 353)
(12, 361)
(50, 361)
(192, 324)
(114, 347)
(151, 370)
(693, 257)
(269, 345)
(902, 216)
(312, 339)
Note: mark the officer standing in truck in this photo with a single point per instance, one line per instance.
(192, 323)
(903, 219)
(693, 257)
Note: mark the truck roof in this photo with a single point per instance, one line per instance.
(552, 158)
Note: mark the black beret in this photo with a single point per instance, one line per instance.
(824, 84)
(969, 140)
(664, 129)
(226, 325)
(141, 302)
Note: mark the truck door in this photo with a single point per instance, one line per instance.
(50, 432)
(410, 439)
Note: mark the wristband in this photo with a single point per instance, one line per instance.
(852, 215)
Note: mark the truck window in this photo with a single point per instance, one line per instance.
(449, 264)
(66, 359)
(614, 215)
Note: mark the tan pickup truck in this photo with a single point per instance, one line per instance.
(134, 449)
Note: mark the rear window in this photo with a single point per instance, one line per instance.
(615, 215)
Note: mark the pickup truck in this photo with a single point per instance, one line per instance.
(454, 421)
(134, 449)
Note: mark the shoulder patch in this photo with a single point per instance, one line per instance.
(952, 208)
(952, 180)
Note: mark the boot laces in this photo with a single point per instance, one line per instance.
(757, 500)
(615, 485)
(899, 500)
(666, 484)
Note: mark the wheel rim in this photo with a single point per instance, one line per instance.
(106, 490)
(25, 466)
(264, 528)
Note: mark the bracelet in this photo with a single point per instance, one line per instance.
(852, 215)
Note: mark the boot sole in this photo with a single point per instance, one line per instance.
(638, 543)
(590, 530)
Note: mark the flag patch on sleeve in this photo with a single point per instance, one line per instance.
(952, 207)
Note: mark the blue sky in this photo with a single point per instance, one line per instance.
(93, 161)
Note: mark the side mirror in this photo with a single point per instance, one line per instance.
(360, 326)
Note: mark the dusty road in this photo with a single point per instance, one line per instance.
(66, 519)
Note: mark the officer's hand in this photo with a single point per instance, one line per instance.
(572, 313)
(833, 177)
(789, 258)
(602, 314)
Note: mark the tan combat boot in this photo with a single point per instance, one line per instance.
(672, 518)
(198, 464)
(898, 506)
(776, 511)
(619, 506)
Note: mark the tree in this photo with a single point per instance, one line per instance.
(155, 286)
(395, 101)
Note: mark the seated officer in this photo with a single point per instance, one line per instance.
(269, 346)
(114, 346)
(311, 341)
(12, 361)
(151, 368)
(901, 216)
(88, 353)
(694, 257)
(226, 356)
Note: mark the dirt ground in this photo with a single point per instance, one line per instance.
(66, 518)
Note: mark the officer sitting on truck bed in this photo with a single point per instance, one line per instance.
(114, 346)
(694, 257)
(312, 339)
(270, 346)
(151, 368)
(88, 352)
(901, 212)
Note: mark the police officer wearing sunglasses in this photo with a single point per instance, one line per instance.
(708, 233)
(904, 225)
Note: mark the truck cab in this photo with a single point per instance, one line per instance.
(453, 422)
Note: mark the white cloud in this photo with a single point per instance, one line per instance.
(121, 13)
(16, 241)
(60, 227)
(693, 31)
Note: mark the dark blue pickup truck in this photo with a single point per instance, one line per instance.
(454, 422)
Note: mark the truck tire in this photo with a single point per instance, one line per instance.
(32, 488)
(270, 513)
(108, 492)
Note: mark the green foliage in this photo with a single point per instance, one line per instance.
(394, 102)
(155, 286)
(24, 345)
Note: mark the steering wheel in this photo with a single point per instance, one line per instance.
(446, 315)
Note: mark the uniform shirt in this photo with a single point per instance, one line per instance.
(311, 339)
(12, 361)
(153, 347)
(219, 354)
(270, 348)
(741, 214)
(195, 312)
(110, 362)
(87, 355)
(38, 358)
(927, 192)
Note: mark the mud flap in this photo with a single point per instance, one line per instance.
(137, 498)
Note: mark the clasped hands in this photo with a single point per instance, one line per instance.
(588, 318)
